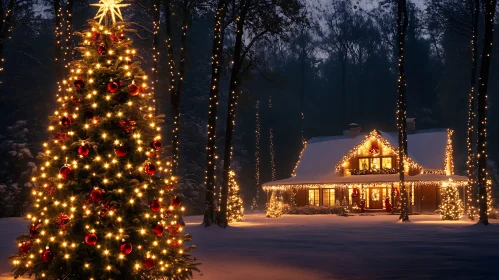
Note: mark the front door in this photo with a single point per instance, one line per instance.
(376, 198)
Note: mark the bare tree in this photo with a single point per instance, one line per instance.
(489, 9)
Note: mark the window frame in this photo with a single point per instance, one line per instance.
(317, 198)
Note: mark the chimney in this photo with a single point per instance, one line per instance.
(352, 131)
(411, 125)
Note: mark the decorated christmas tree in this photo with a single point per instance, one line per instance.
(235, 208)
(274, 207)
(103, 205)
(452, 206)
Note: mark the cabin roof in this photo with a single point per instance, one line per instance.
(317, 164)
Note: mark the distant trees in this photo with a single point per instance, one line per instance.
(264, 20)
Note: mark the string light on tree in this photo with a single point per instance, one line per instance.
(451, 207)
(235, 209)
(254, 205)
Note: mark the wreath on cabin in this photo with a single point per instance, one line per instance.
(375, 195)
(355, 192)
(374, 150)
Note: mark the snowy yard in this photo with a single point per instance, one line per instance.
(331, 247)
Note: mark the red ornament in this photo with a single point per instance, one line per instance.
(149, 263)
(173, 230)
(156, 144)
(176, 201)
(91, 239)
(158, 229)
(150, 169)
(79, 83)
(66, 121)
(120, 151)
(126, 248)
(143, 88)
(83, 150)
(101, 49)
(133, 89)
(151, 154)
(96, 195)
(170, 187)
(25, 246)
(65, 172)
(46, 255)
(61, 220)
(112, 87)
(155, 205)
(168, 212)
(49, 188)
(33, 230)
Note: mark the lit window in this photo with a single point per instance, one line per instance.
(387, 162)
(375, 163)
(313, 197)
(363, 164)
(328, 197)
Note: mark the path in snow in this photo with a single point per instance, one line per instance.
(330, 247)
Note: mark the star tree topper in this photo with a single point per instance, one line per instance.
(109, 7)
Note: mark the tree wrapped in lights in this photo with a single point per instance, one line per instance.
(452, 206)
(235, 208)
(103, 208)
(274, 207)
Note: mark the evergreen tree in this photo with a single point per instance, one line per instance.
(103, 207)
(274, 207)
(452, 206)
(235, 209)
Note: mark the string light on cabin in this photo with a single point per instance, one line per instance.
(100, 206)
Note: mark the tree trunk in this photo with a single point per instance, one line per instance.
(231, 111)
(179, 86)
(488, 38)
(155, 52)
(4, 32)
(475, 8)
(212, 112)
(402, 107)
(58, 39)
(68, 32)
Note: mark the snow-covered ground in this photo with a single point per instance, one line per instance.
(330, 247)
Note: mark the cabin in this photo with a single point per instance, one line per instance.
(357, 170)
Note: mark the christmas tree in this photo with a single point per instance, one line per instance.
(235, 208)
(451, 207)
(103, 207)
(274, 207)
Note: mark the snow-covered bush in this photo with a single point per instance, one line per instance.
(312, 210)
(16, 169)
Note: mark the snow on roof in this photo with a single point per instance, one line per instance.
(333, 178)
(318, 161)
